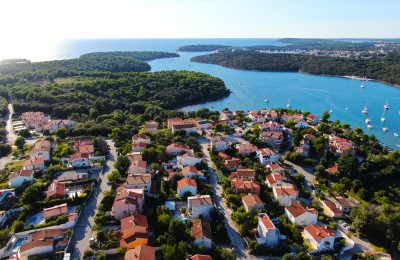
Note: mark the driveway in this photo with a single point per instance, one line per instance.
(234, 236)
(307, 172)
(83, 229)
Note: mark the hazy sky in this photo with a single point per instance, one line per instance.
(47, 21)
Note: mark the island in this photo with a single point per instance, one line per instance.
(202, 47)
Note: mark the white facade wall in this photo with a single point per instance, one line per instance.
(207, 243)
(201, 210)
(325, 244)
(269, 238)
(303, 219)
(19, 181)
(81, 162)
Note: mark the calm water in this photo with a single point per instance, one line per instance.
(250, 88)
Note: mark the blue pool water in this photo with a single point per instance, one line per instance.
(184, 220)
(19, 242)
(32, 220)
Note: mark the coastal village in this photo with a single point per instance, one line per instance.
(245, 185)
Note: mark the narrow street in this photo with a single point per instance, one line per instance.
(83, 229)
(234, 236)
(11, 136)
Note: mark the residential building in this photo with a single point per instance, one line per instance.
(330, 209)
(313, 119)
(322, 238)
(246, 186)
(272, 127)
(274, 139)
(137, 167)
(233, 164)
(186, 185)
(7, 199)
(246, 149)
(138, 147)
(134, 230)
(82, 141)
(54, 125)
(55, 210)
(41, 150)
(134, 156)
(190, 171)
(201, 232)
(71, 176)
(243, 174)
(127, 202)
(252, 202)
(220, 143)
(333, 170)
(267, 233)
(34, 120)
(301, 215)
(285, 195)
(18, 179)
(56, 190)
(302, 124)
(34, 164)
(199, 257)
(89, 149)
(188, 159)
(79, 160)
(178, 149)
(141, 138)
(346, 204)
(200, 205)
(267, 156)
(339, 145)
(151, 127)
(142, 181)
(40, 242)
(141, 252)
(278, 179)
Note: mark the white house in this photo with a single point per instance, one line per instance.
(128, 202)
(267, 156)
(200, 205)
(267, 233)
(141, 138)
(252, 202)
(17, 179)
(138, 182)
(302, 124)
(190, 171)
(35, 164)
(137, 167)
(322, 238)
(285, 195)
(278, 179)
(297, 213)
(79, 160)
(201, 232)
(177, 149)
(40, 242)
(188, 159)
(246, 149)
(41, 152)
(187, 185)
(220, 143)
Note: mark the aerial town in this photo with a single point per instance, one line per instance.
(244, 185)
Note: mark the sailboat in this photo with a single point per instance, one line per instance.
(386, 106)
(383, 119)
(330, 111)
(384, 129)
(365, 109)
(266, 100)
(288, 103)
(396, 135)
(368, 121)
(362, 84)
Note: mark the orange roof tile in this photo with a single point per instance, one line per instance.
(297, 208)
(319, 232)
(186, 182)
(142, 252)
(201, 229)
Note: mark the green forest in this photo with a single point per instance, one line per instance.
(386, 69)
(140, 55)
(202, 47)
(101, 83)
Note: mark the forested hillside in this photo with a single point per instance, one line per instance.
(386, 69)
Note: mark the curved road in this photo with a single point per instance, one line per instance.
(235, 237)
(83, 228)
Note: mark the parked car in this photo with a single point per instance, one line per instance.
(13, 157)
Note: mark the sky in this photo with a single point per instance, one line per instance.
(40, 24)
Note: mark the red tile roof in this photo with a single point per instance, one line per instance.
(193, 169)
(286, 191)
(142, 252)
(34, 161)
(243, 173)
(264, 218)
(186, 182)
(200, 200)
(252, 200)
(24, 173)
(297, 208)
(56, 189)
(86, 149)
(200, 257)
(319, 232)
(201, 229)
(138, 163)
(333, 170)
(55, 211)
(133, 221)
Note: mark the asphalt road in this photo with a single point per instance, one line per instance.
(234, 236)
(83, 229)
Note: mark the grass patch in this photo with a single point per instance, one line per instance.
(64, 81)
(354, 195)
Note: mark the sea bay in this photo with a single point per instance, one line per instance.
(250, 88)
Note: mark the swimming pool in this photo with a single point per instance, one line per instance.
(184, 220)
(32, 220)
(18, 243)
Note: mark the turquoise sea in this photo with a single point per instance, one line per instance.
(250, 88)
